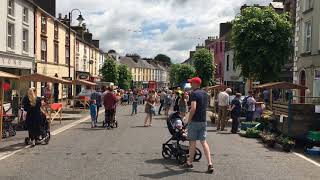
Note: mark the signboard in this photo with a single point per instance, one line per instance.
(83, 75)
(15, 62)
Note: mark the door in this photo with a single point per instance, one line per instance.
(303, 83)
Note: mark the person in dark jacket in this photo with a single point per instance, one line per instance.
(32, 105)
(235, 112)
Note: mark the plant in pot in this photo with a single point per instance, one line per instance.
(287, 144)
(269, 139)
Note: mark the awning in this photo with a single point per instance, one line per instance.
(280, 85)
(43, 78)
(8, 75)
(83, 82)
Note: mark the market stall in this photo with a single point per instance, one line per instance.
(293, 119)
(83, 100)
(3, 76)
(54, 109)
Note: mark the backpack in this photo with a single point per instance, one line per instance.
(244, 102)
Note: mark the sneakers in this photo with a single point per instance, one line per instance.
(187, 166)
(210, 169)
(33, 143)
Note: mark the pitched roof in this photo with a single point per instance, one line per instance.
(128, 61)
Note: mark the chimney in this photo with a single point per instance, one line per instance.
(88, 37)
(95, 43)
(60, 16)
(47, 5)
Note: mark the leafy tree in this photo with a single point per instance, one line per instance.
(204, 66)
(260, 38)
(163, 58)
(180, 73)
(109, 71)
(125, 77)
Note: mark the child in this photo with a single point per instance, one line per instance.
(93, 113)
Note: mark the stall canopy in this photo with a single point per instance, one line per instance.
(218, 87)
(83, 82)
(8, 75)
(43, 78)
(280, 85)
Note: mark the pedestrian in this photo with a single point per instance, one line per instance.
(251, 106)
(149, 108)
(134, 100)
(235, 112)
(176, 100)
(197, 124)
(97, 96)
(183, 105)
(110, 104)
(32, 104)
(223, 103)
(162, 97)
(167, 102)
(56, 90)
(93, 113)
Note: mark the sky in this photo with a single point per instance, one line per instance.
(150, 27)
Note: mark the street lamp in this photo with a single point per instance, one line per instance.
(80, 19)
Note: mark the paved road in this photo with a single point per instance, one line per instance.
(134, 152)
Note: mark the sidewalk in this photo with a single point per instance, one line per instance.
(17, 142)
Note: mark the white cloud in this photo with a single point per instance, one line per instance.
(118, 23)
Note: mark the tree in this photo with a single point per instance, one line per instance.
(125, 77)
(109, 71)
(260, 39)
(180, 73)
(163, 58)
(204, 66)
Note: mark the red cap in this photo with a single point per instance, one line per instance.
(195, 80)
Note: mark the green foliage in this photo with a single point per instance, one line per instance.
(261, 41)
(125, 77)
(109, 71)
(180, 73)
(163, 58)
(204, 66)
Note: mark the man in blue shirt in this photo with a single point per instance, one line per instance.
(197, 123)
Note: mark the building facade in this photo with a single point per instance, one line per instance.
(16, 39)
(307, 48)
(52, 45)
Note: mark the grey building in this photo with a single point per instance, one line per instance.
(307, 48)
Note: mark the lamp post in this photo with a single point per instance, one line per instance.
(80, 19)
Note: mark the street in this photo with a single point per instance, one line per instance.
(134, 152)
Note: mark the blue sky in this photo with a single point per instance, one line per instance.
(149, 27)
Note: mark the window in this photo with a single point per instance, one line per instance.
(56, 53)
(307, 4)
(25, 14)
(77, 63)
(44, 50)
(67, 39)
(307, 36)
(227, 63)
(11, 7)
(43, 24)
(85, 51)
(25, 40)
(77, 47)
(91, 53)
(84, 65)
(10, 35)
(221, 45)
(67, 56)
(56, 30)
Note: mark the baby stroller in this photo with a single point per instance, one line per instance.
(113, 123)
(45, 132)
(8, 128)
(175, 149)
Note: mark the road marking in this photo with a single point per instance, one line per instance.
(7, 154)
(307, 159)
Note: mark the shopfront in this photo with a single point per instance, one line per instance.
(81, 75)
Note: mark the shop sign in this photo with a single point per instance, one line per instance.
(83, 76)
(12, 62)
(317, 74)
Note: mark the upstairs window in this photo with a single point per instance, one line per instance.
(307, 36)
(25, 40)
(67, 39)
(56, 30)
(227, 63)
(67, 56)
(10, 36)
(307, 4)
(43, 24)
(44, 50)
(56, 53)
(25, 15)
(11, 7)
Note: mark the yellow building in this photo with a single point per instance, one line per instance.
(52, 49)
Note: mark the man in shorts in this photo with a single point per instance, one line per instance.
(197, 123)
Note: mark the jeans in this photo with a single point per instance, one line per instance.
(93, 120)
(161, 106)
(249, 115)
(134, 108)
(235, 123)
(197, 131)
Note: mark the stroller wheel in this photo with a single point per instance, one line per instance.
(26, 141)
(166, 153)
(182, 157)
(198, 155)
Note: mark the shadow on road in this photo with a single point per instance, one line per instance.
(13, 147)
(92, 129)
